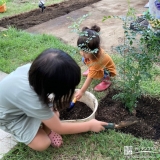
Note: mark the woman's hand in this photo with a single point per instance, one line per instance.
(97, 126)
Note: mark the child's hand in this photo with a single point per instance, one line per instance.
(97, 126)
(78, 94)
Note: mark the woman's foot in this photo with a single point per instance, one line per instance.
(56, 139)
(102, 86)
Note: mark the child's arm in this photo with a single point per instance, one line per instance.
(59, 127)
(86, 84)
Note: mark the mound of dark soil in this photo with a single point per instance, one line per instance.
(34, 17)
(147, 112)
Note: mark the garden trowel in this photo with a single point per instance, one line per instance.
(72, 104)
(122, 124)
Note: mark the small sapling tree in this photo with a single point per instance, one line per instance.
(140, 51)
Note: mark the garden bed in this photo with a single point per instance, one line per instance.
(147, 112)
(34, 17)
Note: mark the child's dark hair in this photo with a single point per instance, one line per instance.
(54, 71)
(89, 40)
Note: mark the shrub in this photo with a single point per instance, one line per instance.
(139, 52)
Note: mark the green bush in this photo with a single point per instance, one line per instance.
(140, 51)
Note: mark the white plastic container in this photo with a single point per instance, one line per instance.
(91, 101)
(153, 9)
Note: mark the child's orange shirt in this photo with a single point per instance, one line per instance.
(97, 66)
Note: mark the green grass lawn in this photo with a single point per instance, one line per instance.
(107, 145)
(19, 47)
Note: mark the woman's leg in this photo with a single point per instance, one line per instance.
(41, 141)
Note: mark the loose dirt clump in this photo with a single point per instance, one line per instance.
(34, 17)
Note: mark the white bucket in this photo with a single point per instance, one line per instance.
(91, 101)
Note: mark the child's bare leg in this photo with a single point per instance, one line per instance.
(56, 139)
(41, 141)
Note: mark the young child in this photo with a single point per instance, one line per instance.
(100, 64)
(24, 102)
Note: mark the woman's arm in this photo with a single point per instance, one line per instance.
(59, 127)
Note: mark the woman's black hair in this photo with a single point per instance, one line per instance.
(54, 71)
(89, 39)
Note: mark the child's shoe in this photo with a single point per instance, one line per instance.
(86, 73)
(102, 86)
(56, 139)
